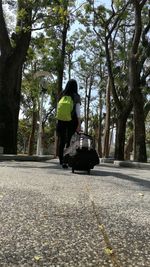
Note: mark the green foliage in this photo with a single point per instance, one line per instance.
(23, 135)
(18, 29)
(88, 8)
(118, 3)
(22, 13)
(148, 128)
(30, 54)
(101, 10)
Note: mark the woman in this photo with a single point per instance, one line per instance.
(65, 129)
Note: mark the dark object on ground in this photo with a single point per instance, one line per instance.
(81, 154)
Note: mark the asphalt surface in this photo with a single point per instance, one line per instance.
(51, 217)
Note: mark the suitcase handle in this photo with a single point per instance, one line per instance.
(79, 133)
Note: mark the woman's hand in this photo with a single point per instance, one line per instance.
(78, 129)
(79, 126)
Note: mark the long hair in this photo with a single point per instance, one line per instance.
(71, 88)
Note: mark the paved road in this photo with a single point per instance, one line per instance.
(51, 217)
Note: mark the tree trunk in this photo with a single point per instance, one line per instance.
(62, 57)
(111, 138)
(129, 146)
(120, 137)
(10, 91)
(88, 98)
(11, 61)
(33, 128)
(139, 146)
(134, 84)
(10, 84)
(69, 66)
(61, 71)
(139, 129)
(85, 107)
(107, 121)
(100, 126)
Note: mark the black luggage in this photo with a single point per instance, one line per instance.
(81, 154)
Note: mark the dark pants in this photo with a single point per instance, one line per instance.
(65, 130)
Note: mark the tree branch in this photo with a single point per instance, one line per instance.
(138, 25)
(48, 114)
(143, 3)
(120, 12)
(5, 44)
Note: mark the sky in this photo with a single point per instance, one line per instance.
(80, 3)
(96, 2)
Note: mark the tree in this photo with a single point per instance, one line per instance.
(61, 19)
(107, 27)
(29, 104)
(13, 53)
(115, 30)
(31, 15)
(135, 86)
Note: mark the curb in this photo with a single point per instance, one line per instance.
(132, 164)
(126, 163)
(4, 157)
(106, 160)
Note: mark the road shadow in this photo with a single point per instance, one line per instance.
(141, 182)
